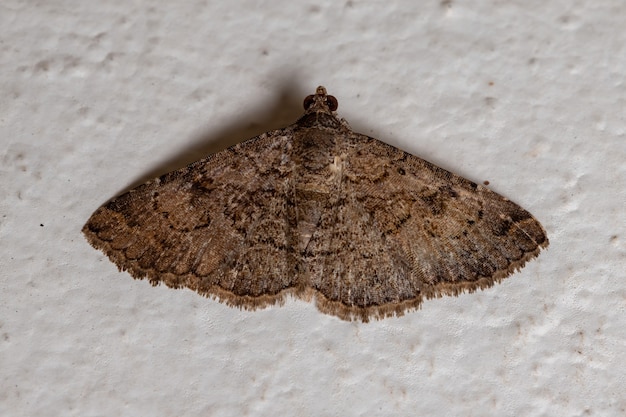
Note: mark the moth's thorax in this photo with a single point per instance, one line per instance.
(320, 165)
(318, 156)
(322, 119)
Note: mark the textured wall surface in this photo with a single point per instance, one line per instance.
(100, 96)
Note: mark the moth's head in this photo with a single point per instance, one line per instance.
(320, 101)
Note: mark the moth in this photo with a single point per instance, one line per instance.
(319, 212)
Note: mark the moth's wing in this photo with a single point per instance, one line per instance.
(221, 226)
(404, 229)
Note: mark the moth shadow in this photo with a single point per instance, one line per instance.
(284, 110)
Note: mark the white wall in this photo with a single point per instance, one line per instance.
(98, 96)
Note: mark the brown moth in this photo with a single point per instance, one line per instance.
(320, 212)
